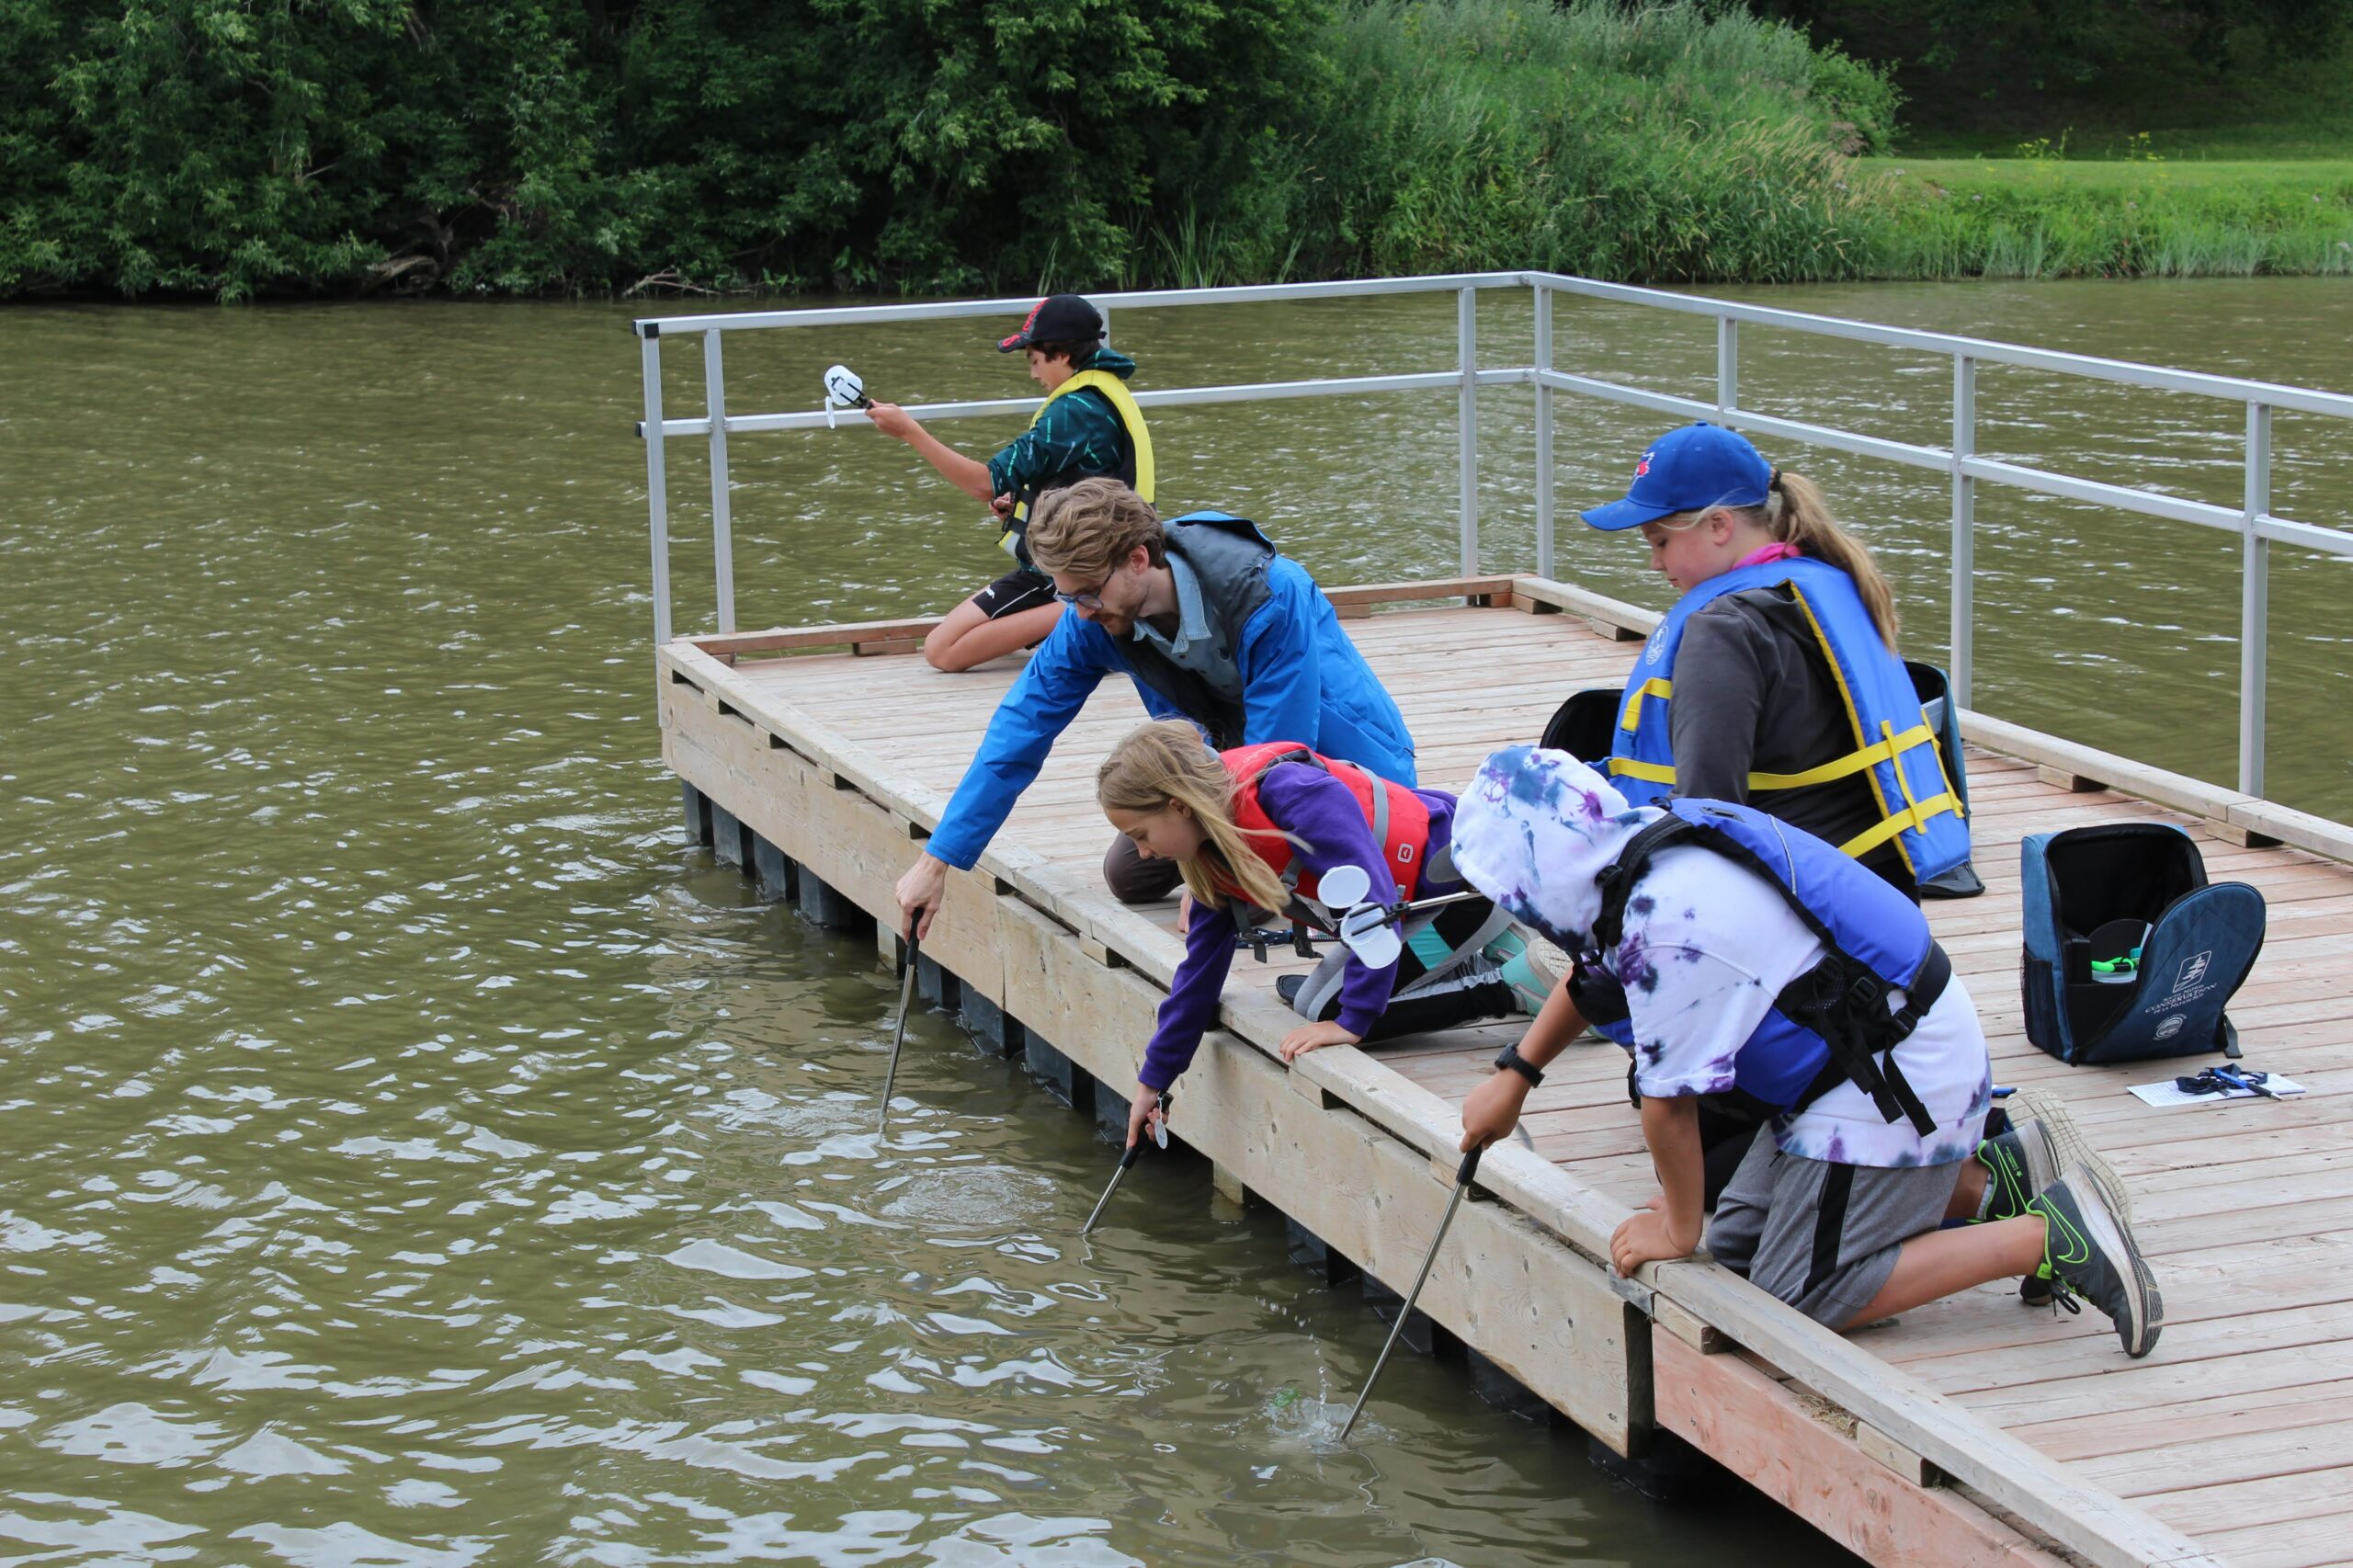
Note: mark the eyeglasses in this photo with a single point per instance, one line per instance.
(2223, 1080)
(1091, 599)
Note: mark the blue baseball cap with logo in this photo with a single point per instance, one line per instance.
(1687, 470)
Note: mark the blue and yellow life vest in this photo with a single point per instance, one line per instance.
(1895, 747)
(1136, 472)
(1833, 1024)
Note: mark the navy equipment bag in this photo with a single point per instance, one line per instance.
(2130, 953)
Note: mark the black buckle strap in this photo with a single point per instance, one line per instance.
(1845, 1003)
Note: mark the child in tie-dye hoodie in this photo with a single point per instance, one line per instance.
(1838, 1210)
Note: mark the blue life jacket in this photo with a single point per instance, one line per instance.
(1830, 1024)
(1895, 747)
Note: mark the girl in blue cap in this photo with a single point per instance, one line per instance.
(1775, 679)
(1774, 682)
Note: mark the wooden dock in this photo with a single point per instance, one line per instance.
(1974, 1431)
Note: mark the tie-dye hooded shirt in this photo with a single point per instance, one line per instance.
(1707, 946)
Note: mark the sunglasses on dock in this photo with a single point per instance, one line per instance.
(2223, 1080)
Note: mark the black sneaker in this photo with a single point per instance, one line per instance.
(2087, 1251)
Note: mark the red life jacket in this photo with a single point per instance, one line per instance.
(1399, 818)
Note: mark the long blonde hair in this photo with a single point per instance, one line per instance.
(1164, 764)
(1793, 512)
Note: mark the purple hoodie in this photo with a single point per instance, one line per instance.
(1322, 813)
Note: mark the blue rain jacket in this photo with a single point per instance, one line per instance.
(1303, 680)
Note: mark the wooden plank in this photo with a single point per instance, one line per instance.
(2292, 1543)
(2139, 1429)
(781, 639)
(1473, 588)
(1805, 1459)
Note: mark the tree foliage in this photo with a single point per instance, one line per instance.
(242, 146)
(2147, 63)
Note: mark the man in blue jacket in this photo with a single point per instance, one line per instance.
(1210, 623)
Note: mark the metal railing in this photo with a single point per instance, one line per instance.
(2252, 521)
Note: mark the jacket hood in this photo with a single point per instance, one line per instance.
(1112, 360)
(1533, 831)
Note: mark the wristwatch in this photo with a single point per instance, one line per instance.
(1512, 1059)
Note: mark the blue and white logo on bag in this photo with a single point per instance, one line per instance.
(2193, 969)
(2172, 1026)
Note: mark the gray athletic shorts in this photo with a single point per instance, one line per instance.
(1823, 1237)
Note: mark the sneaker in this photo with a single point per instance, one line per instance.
(1531, 966)
(2087, 1251)
(2063, 1146)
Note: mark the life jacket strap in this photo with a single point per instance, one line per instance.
(1841, 999)
(1845, 1003)
(1657, 685)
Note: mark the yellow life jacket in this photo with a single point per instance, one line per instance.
(1123, 404)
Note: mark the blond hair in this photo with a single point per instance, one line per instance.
(1793, 512)
(1164, 764)
(1089, 529)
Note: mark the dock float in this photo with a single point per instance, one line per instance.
(1975, 1430)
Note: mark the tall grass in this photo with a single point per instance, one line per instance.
(2040, 218)
(1683, 142)
(1662, 142)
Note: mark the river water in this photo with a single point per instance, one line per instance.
(415, 1153)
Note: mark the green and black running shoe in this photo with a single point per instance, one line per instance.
(2042, 1141)
(2062, 1146)
(2087, 1251)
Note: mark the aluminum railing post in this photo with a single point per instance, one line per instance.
(657, 499)
(2255, 601)
(1964, 528)
(1466, 333)
(722, 527)
(1543, 432)
(1727, 366)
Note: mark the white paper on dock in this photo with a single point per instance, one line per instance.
(2165, 1094)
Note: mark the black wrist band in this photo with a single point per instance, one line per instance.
(1513, 1059)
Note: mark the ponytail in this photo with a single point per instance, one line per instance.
(1164, 764)
(1795, 513)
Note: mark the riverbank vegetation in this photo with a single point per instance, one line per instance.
(235, 149)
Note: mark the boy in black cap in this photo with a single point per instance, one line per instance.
(1088, 425)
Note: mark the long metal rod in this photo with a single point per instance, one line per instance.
(1462, 1177)
(1156, 299)
(1960, 659)
(657, 484)
(1127, 1160)
(2255, 602)
(1466, 340)
(722, 528)
(898, 1035)
(1543, 432)
(2126, 372)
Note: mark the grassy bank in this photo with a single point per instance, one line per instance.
(2045, 217)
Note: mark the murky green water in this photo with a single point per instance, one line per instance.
(413, 1154)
